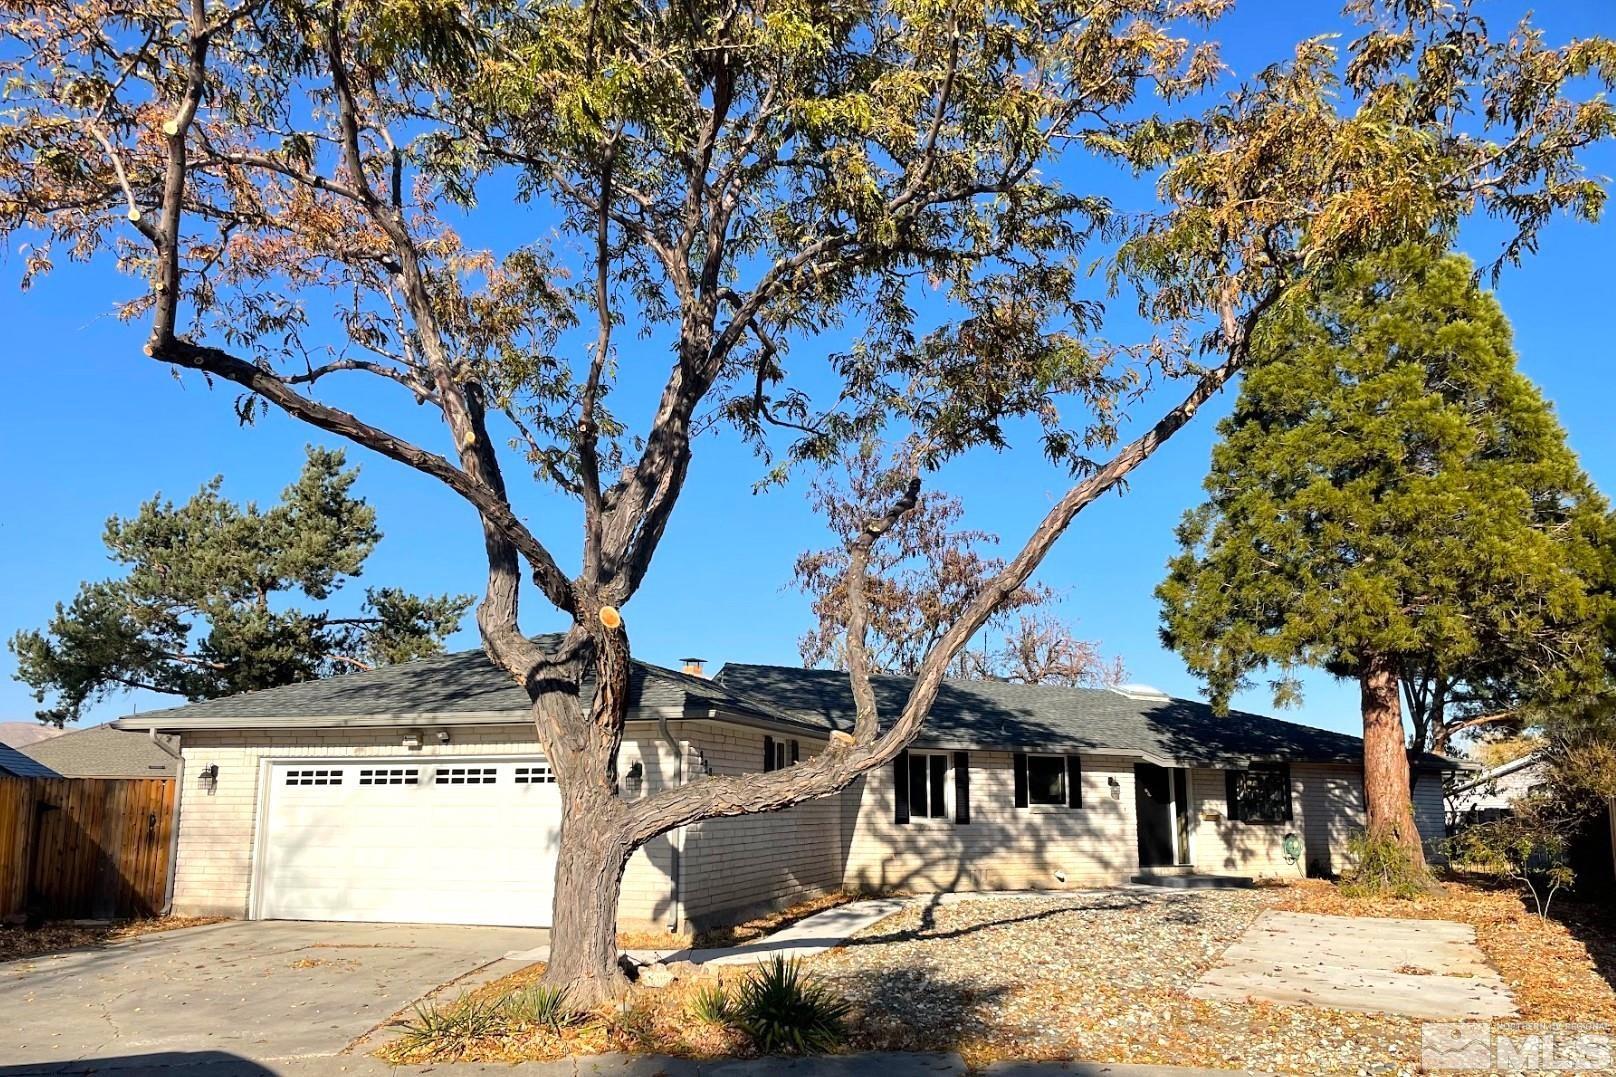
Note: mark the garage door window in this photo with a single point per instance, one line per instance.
(534, 776)
(389, 776)
(314, 777)
(464, 776)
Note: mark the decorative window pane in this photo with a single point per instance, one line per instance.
(389, 776)
(538, 775)
(464, 776)
(314, 777)
(1046, 780)
(1262, 795)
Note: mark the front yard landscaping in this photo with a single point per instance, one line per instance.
(1101, 976)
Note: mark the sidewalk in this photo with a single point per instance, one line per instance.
(806, 938)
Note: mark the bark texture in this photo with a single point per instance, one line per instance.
(1386, 771)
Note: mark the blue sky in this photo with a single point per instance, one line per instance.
(89, 427)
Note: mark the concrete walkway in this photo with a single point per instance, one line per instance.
(806, 938)
(1413, 968)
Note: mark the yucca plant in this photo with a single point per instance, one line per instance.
(451, 1029)
(785, 1012)
(711, 1005)
(539, 1004)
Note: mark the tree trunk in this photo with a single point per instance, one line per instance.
(589, 876)
(1386, 772)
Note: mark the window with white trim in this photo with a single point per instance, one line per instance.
(928, 785)
(1046, 781)
(314, 777)
(389, 776)
(464, 776)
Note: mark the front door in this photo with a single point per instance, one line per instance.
(1153, 797)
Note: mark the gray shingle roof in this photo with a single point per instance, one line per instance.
(17, 765)
(103, 752)
(460, 685)
(996, 715)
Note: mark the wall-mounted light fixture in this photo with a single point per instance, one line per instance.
(210, 777)
(412, 740)
(443, 736)
(1116, 787)
(634, 778)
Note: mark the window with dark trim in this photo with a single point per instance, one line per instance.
(1261, 794)
(778, 754)
(928, 785)
(1046, 781)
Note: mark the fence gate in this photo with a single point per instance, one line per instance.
(84, 847)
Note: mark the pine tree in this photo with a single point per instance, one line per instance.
(204, 609)
(1391, 500)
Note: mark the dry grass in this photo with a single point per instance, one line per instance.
(1553, 967)
(20, 942)
(647, 1022)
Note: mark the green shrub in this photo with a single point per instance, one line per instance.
(1529, 846)
(449, 1030)
(710, 1005)
(784, 1012)
(1382, 867)
(538, 1004)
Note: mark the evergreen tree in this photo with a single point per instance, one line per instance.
(1391, 500)
(202, 611)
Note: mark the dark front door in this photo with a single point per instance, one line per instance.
(1153, 796)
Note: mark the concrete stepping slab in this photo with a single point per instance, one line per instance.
(807, 938)
(1363, 964)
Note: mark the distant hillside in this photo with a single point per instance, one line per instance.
(17, 734)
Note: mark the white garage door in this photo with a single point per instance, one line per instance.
(417, 841)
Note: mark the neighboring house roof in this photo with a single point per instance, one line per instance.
(1500, 786)
(997, 715)
(16, 765)
(461, 688)
(104, 752)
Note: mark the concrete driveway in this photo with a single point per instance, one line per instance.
(267, 990)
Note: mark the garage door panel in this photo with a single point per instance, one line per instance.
(382, 841)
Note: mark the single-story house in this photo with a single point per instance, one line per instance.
(104, 751)
(418, 792)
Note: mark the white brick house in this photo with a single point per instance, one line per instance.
(418, 793)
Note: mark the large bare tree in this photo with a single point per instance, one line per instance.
(722, 182)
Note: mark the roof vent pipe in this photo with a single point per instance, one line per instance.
(696, 667)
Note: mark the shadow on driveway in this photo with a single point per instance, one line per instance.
(263, 990)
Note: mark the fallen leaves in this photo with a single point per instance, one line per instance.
(21, 942)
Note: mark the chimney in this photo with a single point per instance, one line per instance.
(694, 666)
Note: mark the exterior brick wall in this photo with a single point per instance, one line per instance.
(747, 864)
(1002, 847)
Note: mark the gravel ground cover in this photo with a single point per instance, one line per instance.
(1100, 977)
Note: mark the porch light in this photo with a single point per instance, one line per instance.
(1116, 787)
(210, 776)
(634, 779)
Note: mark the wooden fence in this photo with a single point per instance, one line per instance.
(84, 847)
